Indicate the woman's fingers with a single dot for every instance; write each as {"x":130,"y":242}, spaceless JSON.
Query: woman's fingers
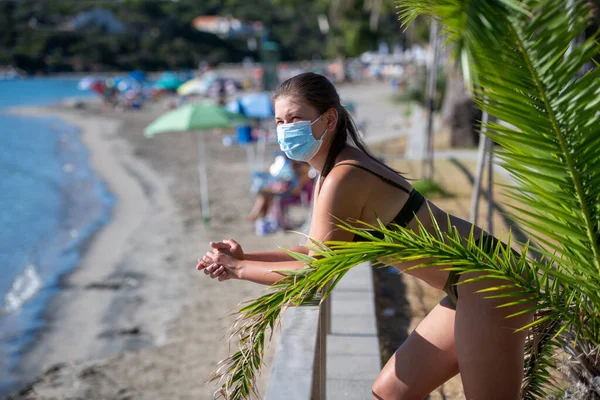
{"x":218,"y":271}
{"x":204,"y":262}
{"x":218,"y":257}
{"x":212,"y":257}
{"x":210,"y":269}
{"x":220,"y":245}
{"x":210,"y":262}
{"x":232,"y":244}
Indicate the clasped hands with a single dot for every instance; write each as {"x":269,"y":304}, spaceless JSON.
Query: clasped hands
{"x":224,"y":261}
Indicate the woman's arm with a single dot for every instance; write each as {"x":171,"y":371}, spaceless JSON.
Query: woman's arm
{"x":297,"y":189}
{"x":274,"y":255}
{"x":338,"y":197}
{"x":265,"y":272}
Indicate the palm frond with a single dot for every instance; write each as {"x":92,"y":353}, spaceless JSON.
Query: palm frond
{"x":237,"y":373}
{"x":551,"y":139}
{"x":539,"y":351}
{"x":550,"y":136}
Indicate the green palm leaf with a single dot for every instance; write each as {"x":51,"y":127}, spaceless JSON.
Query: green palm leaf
{"x":551,"y":137}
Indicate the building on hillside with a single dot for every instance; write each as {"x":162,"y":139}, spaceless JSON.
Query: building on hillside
{"x":97,"y":18}
{"x":229,"y":27}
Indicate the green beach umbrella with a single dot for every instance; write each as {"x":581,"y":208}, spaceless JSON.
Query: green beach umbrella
{"x":196,"y":117}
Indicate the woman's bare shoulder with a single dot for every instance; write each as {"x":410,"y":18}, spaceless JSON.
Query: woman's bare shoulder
{"x":342,"y":175}
{"x":372,"y":170}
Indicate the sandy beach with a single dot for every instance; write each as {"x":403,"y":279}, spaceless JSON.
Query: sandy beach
{"x":135,"y":318}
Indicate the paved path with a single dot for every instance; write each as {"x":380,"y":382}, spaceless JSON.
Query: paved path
{"x":383,"y":119}
{"x":353,"y":358}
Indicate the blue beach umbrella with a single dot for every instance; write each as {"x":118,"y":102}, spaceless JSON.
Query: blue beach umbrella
{"x":138,"y":75}
{"x":128,"y":84}
{"x":253,"y":105}
{"x":168,"y":81}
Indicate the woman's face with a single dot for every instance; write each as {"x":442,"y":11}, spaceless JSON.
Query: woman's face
{"x":289,"y":109}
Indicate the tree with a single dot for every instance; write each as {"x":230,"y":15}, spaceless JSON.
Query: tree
{"x":550,"y":145}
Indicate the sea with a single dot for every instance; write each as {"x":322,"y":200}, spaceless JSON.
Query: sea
{"x":51,"y":203}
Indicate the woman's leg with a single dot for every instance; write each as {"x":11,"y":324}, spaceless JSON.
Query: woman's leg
{"x":425,"y":360}
{"x":261,"y":206}
{"x":490,"y":353}
{"x":267,"y":205}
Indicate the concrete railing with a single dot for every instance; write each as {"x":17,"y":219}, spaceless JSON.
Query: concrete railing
{"x":340,"y":336}
{"x":299,"y":369}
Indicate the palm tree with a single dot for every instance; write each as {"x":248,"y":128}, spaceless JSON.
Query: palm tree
{"x":516,"y":54}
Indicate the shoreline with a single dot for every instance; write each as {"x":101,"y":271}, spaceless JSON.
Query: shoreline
{"x":92,"y":299}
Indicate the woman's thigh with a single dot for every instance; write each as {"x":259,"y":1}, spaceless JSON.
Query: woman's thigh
{"x":489,"y":351}
{"x":425,"y":360}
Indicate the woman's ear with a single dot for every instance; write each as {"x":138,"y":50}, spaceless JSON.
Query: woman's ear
{"x":332,"y":118}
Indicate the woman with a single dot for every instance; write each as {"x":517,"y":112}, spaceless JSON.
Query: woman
{"x":464,"y":333}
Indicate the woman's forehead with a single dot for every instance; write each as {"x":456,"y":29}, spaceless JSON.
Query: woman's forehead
{"x":287,"y":106}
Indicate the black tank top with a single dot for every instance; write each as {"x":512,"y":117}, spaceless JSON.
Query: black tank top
{"x":408,"y":211}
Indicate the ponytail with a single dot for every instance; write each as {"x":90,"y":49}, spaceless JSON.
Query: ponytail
{"x":340,"y":140}
{"x":347,"y":133}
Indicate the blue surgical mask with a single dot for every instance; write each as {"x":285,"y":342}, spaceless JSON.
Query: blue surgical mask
{"x":297,"y":141}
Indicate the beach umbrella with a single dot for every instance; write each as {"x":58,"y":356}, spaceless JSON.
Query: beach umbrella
{"x":259,"y":106}
{"x":127,"y":84}
{"x":253,"y":105}
{"x":167,"y":84}
{"x":87,"y":82}
{"x":137,"y":75}
{"x":198,"y":85}
{"x":193,"y":86}
{"x":167,"y":81}
{"x":98,"y":87}
{"x":224,"y":86}
{"x":196,"y":117}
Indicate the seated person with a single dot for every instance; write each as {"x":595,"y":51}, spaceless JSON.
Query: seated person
{"x":289,"y":191}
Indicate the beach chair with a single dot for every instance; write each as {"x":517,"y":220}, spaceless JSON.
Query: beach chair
{"x":282,"y":204}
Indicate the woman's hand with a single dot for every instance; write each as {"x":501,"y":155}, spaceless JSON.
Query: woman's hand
{"x":230,"y":253}
{"x":231,"y":245}
{"x":226,"y":262}
{"x":210,"y":268}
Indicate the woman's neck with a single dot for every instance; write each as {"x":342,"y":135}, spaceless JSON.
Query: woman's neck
{"x":347,"y":152}
{"x":317,"y":164}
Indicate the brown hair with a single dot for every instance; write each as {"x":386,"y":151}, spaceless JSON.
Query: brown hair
{"x":318,"y":92}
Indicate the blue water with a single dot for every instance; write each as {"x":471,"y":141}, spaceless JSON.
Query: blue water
{"x":51,"y":202}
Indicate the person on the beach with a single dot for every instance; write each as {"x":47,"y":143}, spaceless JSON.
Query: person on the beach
{"x":289,"y":192}
{"x":464,"y":333}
